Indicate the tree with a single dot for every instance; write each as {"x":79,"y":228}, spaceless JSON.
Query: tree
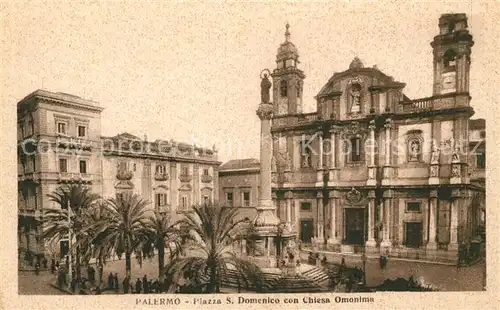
{"x":123,"y":229}
{"x":162,"y":234}
{"x":55,"y":221}
{"x":210,"y":231}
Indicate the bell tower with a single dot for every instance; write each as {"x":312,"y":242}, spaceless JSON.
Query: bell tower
{"x":288,"y":79}
{"x":452,"y":50}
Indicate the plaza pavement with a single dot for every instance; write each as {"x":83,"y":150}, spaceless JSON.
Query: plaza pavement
{"x":445,"y":278}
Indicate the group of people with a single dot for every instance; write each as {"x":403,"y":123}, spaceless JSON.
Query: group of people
{"x":144,"y":285}
{"x":314,"y":259}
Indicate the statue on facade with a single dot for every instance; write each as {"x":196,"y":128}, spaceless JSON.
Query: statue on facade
{"x":435,"y":154}
{"x":434,"y":171}
{"x":415,"y":150}
{"x":455,"y":171}
{"x":356,"y":98}
{"x":455,"y":157}
{"x":265,"y":87}
{"x":273,"y":164}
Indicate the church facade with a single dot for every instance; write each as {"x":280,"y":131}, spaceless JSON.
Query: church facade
{"x":372,"y":170}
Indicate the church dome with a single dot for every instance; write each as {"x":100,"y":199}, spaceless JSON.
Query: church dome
{"x":287,"y":49}
{"x":356,"y":63}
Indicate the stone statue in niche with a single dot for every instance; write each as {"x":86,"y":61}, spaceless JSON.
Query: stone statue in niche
{"x":265,"y":87}
{"x":435,"y":154}
{"x":355,"y":98}
{"x":455,"y":157}
{"x":414,"y":150}
{"x":455,"y":171}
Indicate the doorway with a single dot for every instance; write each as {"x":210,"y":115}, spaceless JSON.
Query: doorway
{"x":354,"y":226}
{"x":306,"y":230}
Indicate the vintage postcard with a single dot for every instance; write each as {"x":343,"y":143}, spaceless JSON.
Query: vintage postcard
{"x":249,"y":154}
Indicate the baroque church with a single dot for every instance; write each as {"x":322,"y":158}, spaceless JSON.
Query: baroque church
{"x":372,"y":170}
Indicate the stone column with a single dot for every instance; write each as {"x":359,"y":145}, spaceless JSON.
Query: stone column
{"x":333,"y":155}
{"x":371,"y":220}
{"x":453,"y":245}
{"x":321,"y":169}
{"x":321,"y":221}
{"x":431,"y":243}
{"x":386,"y":242}
{"x":371,"y":168}
{"x":333,"y":240}
{"x":275,"y":204}
{"x":289,"y":209}
{"x":387,"y":170}
{"x":265,"y":220}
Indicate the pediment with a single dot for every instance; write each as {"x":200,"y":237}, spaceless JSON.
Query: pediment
{"x":185,"y":187}
{"x":124,"y":184}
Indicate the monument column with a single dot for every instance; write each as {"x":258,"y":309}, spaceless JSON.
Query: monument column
{"x":265,"y":223}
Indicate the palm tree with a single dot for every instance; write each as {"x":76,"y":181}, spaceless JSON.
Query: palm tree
{"x":123,"y":229}
{"x":55,"y":221}
{"x":211,"y":230}
{"x":162,"y":233}
{"x":89,"y":241}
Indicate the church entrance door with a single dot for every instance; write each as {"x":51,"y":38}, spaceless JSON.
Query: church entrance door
{"x":354,"y":222}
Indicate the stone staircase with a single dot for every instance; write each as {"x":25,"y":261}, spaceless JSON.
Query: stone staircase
{"x":318,"y":275}
{"x":315,"y":280}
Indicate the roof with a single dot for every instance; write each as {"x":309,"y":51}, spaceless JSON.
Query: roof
{"x":476,"y":124}
{"x":247,"y":163}
{"x":62,"y":98}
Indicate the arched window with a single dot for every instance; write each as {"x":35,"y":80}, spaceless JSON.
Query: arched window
{"x":284,"y":88}
{"x":449,"y":58}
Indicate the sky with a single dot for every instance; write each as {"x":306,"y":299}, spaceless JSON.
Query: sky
{"x":190,"y":72}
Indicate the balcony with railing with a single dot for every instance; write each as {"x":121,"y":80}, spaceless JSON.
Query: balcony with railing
{"x":124,"y":175}
{"x":161,"y":176}
{"x":68,"y":177}
{"x":185,"y":177}
{"x":206,"y":178}
{"x":445,"y":101}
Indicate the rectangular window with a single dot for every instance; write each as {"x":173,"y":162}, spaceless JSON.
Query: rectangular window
{"x":161,"y":200}
{"x":122,"y":166}
{"x":61,"y":128}
{"x":83,"y":166}
{"x":33,"y":163}
{"x":160,"y":169}
{"x":184,"y":202}
{"x":413,"y":206}
{"x":82,"y":131}
{"x":206,"y":200}
{"x":205,"y":171}
{"x":480,"y":160}
{"x":185,"y":170}
{"x":355,"y":149}
{"x":305,"y":206}
{"x":413,"y":234}
{"x":63,"y":165}
{"x":229,"y":198}
{"x":246,"y":199}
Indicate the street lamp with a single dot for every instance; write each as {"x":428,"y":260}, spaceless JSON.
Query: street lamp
{"x":363,"y":258}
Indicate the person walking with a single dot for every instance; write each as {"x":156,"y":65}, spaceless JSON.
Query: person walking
{"x":138,"y":286}
{"x":126,"y":285}
{"x":111,"y":280}
{"x":116,"y":283}
{"x":145,"y":283}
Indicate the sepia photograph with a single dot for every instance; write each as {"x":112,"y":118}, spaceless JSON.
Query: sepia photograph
{"x":248,"y":154}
